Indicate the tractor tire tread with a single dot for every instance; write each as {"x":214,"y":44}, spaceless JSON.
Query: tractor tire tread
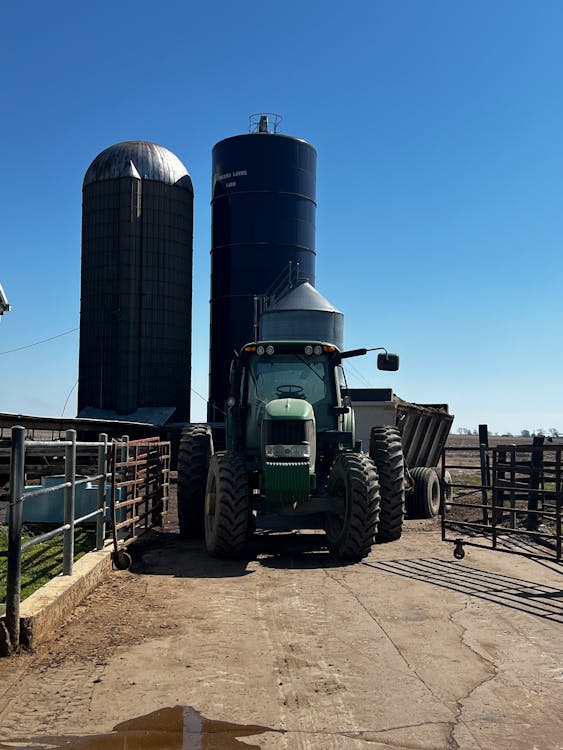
{"x":232,"y":505}
{"x":359,"y":476}
{"x":425,"y":481}
{"x":196,"y":447}
{"x":386,"y":451}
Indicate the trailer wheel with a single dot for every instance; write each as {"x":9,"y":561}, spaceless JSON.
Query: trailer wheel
{"x":425,"y":501}
{"x":351,"y":531}
{"x":386,"y":452}
{"x":227,"y":504}
{"x":196,"y":449}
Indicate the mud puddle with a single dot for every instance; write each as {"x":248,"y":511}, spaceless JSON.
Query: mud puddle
{"x":177,"y":728}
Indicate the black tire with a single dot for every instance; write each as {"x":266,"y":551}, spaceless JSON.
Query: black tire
{"x":386,"y":452}
{"x":425,"y":500}
{"x":121,"y":560}
{"x":353,"y":478}
{"x":227,"y":505}
{"x":196,"y":449}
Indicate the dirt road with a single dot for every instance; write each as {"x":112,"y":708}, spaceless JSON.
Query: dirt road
{"x":409,"y":649}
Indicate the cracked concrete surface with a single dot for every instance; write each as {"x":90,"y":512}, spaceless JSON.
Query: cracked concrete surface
{"x":410,"y":649}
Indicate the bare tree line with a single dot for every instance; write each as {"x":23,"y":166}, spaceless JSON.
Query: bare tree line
{"x":552,"y":432}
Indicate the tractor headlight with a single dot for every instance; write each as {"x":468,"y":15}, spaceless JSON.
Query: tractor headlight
{"x":308,"y":350}
{"x":288,"y":451}
{"x":269,"y":350}
{"x":260,"y":351}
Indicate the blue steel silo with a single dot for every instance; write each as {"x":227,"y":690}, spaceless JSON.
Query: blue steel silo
{"x":263,"y":218}
{"x":136,"y":285}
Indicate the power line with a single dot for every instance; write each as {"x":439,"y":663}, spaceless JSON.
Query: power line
{"x":42,"y":341}
{"x":68,"y":397}
{"x":358,"y":374}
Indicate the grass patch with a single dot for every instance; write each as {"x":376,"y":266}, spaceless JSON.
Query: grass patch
{"x":44,"y":561}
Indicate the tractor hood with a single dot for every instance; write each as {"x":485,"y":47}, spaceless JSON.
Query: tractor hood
{"x":289,"y":408}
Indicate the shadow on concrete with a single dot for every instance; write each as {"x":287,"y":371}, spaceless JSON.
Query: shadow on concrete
{"x":525,"y":596}
{"x":166,"y":553}
{"x":300,"y":550}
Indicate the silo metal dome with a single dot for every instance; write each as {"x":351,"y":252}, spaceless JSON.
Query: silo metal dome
{"x":141,"y":159}
{"x":136,"y":284}
{"x":303,"y":314}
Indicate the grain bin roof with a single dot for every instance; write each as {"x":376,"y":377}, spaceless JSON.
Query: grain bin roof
{"x":303,"y":297}
{"x":143,"y":159}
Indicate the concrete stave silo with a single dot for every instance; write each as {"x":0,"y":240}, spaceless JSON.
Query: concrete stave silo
{"x":136,"y":284}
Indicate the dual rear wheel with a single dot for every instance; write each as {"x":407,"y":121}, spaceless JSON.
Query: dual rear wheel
{"x":194,"y":456}
{"x":386,"y":452}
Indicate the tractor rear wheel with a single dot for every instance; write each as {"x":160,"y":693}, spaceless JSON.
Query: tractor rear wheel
{"x":196,"y":449}
{"x":351,"y":531}
{"x":227,"y":504}
{"x":386,"y":452}
{"x":425,"y":501}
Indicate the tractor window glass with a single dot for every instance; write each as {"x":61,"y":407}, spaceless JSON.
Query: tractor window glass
{"x":289,"y":376}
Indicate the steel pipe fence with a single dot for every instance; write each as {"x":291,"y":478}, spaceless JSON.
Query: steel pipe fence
{"x":20,"y":449}
{"x":137,"y":475}
{"x":508,"y":497}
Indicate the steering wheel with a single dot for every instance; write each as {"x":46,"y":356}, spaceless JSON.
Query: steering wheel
{"x":289,"y":391}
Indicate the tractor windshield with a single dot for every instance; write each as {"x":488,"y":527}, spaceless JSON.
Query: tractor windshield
{"x":285,"y":375}
{"x":289,"y":376}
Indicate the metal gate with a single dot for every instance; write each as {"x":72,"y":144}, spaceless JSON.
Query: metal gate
{"x":140,"y":483}
{"x":508,"y":497}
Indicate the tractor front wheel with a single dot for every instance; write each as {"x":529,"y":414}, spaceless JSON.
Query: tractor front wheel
{"x":227,"y":504}
{"x":351,"y":531}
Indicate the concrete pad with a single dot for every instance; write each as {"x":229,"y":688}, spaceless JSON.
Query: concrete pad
{"x":408,"y":649}
{"x":43,"y":613}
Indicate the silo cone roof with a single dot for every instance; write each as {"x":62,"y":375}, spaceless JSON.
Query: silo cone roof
{"x":303,"y":297}
{"x":143,"y":159}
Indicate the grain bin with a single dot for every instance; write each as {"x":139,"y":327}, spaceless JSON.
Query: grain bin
{"x":303,"y":314}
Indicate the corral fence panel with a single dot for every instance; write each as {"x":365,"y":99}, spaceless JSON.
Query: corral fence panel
{"x":140,"y":484}
{"x":506,"y":497}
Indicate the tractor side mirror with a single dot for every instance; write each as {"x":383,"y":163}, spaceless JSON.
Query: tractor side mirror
{"x":387,"y":361}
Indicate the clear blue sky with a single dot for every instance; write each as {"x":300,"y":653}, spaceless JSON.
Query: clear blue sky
{"x":438,"y":126}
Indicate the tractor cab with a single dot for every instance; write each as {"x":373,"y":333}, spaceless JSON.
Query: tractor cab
{"x":289,"y":383}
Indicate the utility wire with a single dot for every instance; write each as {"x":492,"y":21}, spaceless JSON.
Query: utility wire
{"x":68,"y":397}
{"x":359,"y":375}
{"x":206,"y":401}
{"x":42,"y":341}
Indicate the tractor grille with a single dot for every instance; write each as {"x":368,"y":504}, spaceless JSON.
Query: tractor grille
{"x":287,"y":431}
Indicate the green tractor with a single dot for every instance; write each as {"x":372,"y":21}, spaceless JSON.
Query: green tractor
{"x":291,"y":452}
